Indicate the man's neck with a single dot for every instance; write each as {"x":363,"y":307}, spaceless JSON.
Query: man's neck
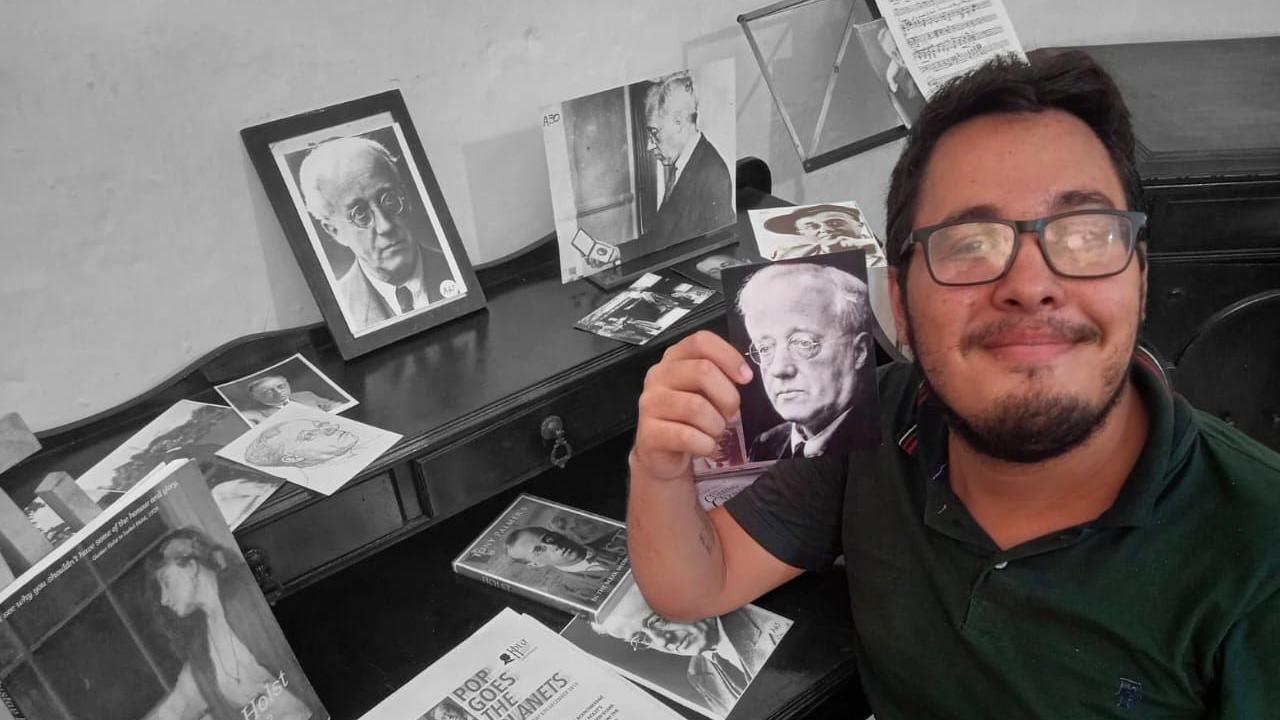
{"x":1017,"y":502}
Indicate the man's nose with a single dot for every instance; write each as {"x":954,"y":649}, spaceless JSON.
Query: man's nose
{"x":1030,"y":284}
{"x":381,"y":221}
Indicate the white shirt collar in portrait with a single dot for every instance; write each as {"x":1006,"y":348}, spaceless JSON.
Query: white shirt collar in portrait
{"x":388,"y":291}
{"x":587,"y":564}
{"x":683,"y":160}
{"x":815,"y":445}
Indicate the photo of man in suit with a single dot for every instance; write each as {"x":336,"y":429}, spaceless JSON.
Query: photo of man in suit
{"x":695,"y":187}
{"x":543,"y":547}
{"x":353,"y":189}
{"x":822,"y":229}
{"x":810,"y":339}
{"x":725,"y":653}
{"x":272,"y":393}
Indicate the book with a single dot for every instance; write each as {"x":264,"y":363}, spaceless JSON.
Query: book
{"x":149,"y":610}
{"x":704,"y":665}
{"x":514,"y":668}
{"x":567,"y":558}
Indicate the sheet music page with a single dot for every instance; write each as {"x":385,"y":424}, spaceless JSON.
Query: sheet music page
{"x":940,"y":39}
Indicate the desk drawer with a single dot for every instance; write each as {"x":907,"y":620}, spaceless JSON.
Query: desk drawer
{"x":322,"y":533}
{"x":1215,"y":217}
{"x":512,"y":449}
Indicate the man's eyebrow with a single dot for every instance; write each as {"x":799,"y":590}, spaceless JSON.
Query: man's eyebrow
{"x":973,"y":212}
{"x":1074,"y":199}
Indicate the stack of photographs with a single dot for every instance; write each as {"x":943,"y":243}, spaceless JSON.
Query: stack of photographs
{"x":645,"y":309}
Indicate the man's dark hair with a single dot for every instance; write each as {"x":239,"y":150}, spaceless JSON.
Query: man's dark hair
{"x":1068,"y":81}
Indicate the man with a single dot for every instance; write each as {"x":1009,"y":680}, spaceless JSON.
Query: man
{"x":696,"y":191}
{"x":353,"y":189}
{"x":541,"y":547}
{"x":1052,"y":533}
{"x":725,"y":653}
{"x":713,"y":265}
{"x":272,"y":393}
{"x":823,"y":229}
{"x":300,"y":444}
{"x":805,"y":323}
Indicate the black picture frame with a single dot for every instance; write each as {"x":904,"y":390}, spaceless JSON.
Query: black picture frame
{"x":358,"y":311}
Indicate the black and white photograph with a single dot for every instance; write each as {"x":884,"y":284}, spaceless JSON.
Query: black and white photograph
{"x":705,"y":665}
{"x":641,"y":167}
{"x":310,"y":447}
{"x":366,"y":220}
{"x":187,"y":429}
{"x":806,"y":327}
{"x":566,"y":557}
{"x":645,"y":309}
{"x":818,"y":229}
{"x":882,"y":51}
{"x":260,"y":395}
{"x":708,"y":268}
{"x":447,"y":709}
{"x":149,"y":611}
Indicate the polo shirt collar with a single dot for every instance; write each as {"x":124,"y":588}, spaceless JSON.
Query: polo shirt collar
{"x":1169,"y":439}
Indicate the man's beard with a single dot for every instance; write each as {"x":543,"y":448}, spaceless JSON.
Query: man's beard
{"x":1028,"y":428}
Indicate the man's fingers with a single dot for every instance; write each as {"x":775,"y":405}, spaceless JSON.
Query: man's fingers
{"x":662,"y":435}
{"x":707,"y":345}
{"x":696,"y":375}
{"x":687,"y":408}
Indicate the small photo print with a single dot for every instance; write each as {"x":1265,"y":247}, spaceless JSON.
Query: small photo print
{"x":645,"y":309}
{"x":310,"y":447}
{"x":806,"y":326}
{"x":707,"y":269}
{"x":730,"y":454}
{"x":447,"y":709}
{"x":260,"y":395}
{"x":808,"y":230}
{"x":705,"y":665}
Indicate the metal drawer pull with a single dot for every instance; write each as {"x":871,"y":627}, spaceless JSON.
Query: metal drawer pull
{"x":561,"y":451}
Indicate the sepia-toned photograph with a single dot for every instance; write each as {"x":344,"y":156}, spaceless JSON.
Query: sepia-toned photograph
{"x":705,"y":665}
{"x":187,"y":430}
{"x":642,"y":167}
{"x":730,"y":453}
{"x":260,"y":395}
{"x":806,"y":326}
{"x":819,"y":229}
{"x":310,"y":447}
{"x":644,"y":310}
{"x":567,"y":557}
{"x":366,"y":220}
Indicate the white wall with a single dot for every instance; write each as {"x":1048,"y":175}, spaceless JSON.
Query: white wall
{"x":136,"y":236}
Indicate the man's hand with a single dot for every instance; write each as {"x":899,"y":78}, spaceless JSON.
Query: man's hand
{"x":688,"y":398}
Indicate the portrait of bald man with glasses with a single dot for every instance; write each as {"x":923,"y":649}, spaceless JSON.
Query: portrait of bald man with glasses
{"x":352,"y":187}
{"x":808,"y":325}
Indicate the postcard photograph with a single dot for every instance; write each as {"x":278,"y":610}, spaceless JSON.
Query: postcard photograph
{"x":705,"y":665}
{"x":260,"y":395}
{"x":310,"y":447}
{"x":818,"y":229}
{"x":633,"y":316}
{"x":806,"y":325}
{"x":641,"y":167}
{"x":707,"y":269}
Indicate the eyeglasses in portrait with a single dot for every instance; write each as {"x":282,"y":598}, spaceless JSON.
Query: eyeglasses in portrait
{"x":366,"y":220}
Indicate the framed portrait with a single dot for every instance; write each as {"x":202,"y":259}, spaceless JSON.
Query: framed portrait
{"x":365,"y":218}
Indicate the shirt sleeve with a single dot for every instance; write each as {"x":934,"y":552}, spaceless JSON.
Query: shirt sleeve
{"x":794,"y":510}
{"x":1249,"y":664}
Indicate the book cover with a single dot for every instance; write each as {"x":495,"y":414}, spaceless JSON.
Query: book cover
{"x":704,"y":665}
{"x":514,"y":668}
{"x":149,"y":611}
{"x":568,"y":558}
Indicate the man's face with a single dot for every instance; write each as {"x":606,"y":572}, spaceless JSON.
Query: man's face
{"x":312,"y":441}
{"x":1027,"y":356}
{"x":177,"y":582}
{"x":715,"y":264}
{"x":539,"y":547}
{"x":271,"y":391}
{"x":447,"y":712}
{"x":636,"y":624}
{"x":364,"y":190}
{"x":666,"y":136}
{"x":827,"y":226}
{"x":810,"y":392}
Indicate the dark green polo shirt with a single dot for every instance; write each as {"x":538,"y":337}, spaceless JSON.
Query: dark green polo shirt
{"x":1165,"y":606}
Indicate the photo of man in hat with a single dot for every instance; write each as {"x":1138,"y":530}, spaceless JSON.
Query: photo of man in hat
{"x":815,"y":230}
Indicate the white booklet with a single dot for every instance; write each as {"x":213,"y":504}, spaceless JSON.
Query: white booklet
{"x":514,"y":668}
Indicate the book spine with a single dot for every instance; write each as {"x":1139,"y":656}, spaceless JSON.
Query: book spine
{"x":501,"y":584}
{"x":8,"y":707}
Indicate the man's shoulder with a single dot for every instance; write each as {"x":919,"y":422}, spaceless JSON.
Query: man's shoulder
{"x":769,"y":444}
{"x":1243,"y":470}
{"x":708,"y":160}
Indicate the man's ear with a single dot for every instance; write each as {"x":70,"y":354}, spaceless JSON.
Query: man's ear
{"x":332,"y":230}
{"x":895,"y":300}
{"x":861,"y":342}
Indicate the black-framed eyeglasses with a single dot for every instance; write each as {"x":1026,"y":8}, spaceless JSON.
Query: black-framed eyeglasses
{"x":803,"y":347}
{"x":390,"y":202}
{"x":1076,"y":244}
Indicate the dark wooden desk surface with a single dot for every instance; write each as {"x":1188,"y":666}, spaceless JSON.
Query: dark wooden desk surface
{"x":365,"y":631}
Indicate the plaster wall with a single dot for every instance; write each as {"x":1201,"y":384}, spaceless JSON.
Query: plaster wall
{"x":137,"y":236}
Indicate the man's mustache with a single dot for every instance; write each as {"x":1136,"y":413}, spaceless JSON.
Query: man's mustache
{"x":1053,"y":329}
